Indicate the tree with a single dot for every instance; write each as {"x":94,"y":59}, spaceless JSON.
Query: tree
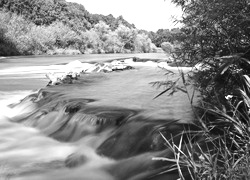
{"x":112,"y":43}
{"x":167,"y":47}
{"x":142,"y":43}
{"x":126,"y":36}
{"x":216,"y":27}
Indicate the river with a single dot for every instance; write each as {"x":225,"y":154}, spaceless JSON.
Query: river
{"x":103,"y":126}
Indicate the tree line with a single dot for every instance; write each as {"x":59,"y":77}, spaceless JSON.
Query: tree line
{"x":59,"y":27}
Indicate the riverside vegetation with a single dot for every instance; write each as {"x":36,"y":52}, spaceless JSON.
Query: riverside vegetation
{"x":60,"y":27}
{"x":217,"y":38}
{"x":32,"y":27}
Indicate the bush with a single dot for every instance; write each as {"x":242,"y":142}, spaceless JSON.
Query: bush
{"x":112,"y":44}
{"x":63,"y":52}
{"x":167,"y":47}
{"x":64,"y":36}
{"x":216,"y":36}
{"x":142,"y":43}
{"x":14,"y":33}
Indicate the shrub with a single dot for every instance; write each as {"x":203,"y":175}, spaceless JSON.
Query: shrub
{"x":61,"y":51}
{"x":112,"y":44}
{"x":142,"y":43}
{"x":65,"y":37}
{"x":167,"y":47}
{"x":14,"y":33}
{"x":126,"y":36}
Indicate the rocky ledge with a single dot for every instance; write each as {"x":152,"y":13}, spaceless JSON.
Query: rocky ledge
{"x":73,"y":70}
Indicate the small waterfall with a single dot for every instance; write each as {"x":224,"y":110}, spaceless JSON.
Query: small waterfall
{"x":104,"y":127}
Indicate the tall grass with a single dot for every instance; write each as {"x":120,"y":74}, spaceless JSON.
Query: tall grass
{"x":221,"y":149}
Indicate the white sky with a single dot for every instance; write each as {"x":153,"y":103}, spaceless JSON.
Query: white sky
{"x":150,"y":15}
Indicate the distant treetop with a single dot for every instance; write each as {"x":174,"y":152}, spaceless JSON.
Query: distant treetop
{"x":45,"y":12}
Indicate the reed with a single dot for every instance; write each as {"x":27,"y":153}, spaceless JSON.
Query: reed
{"x":221,"y":149}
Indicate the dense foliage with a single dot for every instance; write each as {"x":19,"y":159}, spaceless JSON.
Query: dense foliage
{"x":60,"y":27}
{"x":173,"y":36}
{"x":217,"y":36}
{"x":45,"y":12}
{"x":216,"y":42}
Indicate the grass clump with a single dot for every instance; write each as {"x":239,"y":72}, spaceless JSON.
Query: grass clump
{"x":220,"y":150}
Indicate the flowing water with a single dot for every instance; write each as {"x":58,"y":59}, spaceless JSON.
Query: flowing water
{"x":104,"y":126}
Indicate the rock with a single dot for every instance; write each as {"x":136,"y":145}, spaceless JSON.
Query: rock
{"x":93,"y":68}
{"x":121,"y":67}
{"x":73,"y":75}
{"x":115,"y":63}
{"x":54,"y":79}
{"x":74,"y":69}
{"x":67,"y":79}
{"x":58,"y":78}
{"x":163,"y":65}
{"x":75,"y":160}
{"x":87,"y":66}
{"x":128,"y":61}
{"x":136,"y":59}
{"x":105,"y":68}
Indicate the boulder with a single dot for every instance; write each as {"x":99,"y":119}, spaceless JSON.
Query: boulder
{"x":75,"y":160}
{"x":163,"y":65}
{"x":119,"y":65}
{"x":54,"y":78}
{"x":58,"y":78}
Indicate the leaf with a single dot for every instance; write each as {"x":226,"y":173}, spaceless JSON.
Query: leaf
{"x":192,"y":97}
{"x":225,"y":67}
{"x":166,"y":90}
{"x":169,"y":72}
{"x":245,"y":60}
{"x":247,"y":80}
{"x":183,"y":77}
{"x":181,"y":89}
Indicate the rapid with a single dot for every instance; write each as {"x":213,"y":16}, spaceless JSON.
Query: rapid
{"x":104,"y":126}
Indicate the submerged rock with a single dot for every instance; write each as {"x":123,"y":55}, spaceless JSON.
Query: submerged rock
{"x":75,"y":160}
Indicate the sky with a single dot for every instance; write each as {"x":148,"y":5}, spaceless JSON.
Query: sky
{"x":149,"y":15}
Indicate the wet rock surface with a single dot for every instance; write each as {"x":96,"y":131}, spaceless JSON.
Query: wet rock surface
{"x":73,"y":70}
